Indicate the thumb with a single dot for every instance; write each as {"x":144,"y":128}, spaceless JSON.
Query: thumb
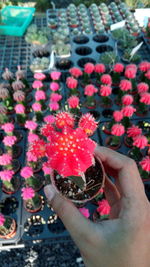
{"x":79,"y":227}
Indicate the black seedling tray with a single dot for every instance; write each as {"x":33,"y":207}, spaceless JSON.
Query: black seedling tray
{"x":84,"y":49}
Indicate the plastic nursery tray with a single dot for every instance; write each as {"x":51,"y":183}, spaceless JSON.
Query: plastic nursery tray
{"x":55,"y":14}
{"x":16,"y":51}
{"x":15,"y":20}
{"x":86,"y":48}
{"x":11,"y":205}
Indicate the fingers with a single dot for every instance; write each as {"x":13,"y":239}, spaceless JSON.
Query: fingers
{"x":78,"y":226}
{"x":124,"y":170}
{"x":111,"y":192}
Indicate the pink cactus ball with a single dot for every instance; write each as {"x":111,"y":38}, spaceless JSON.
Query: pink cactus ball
{"x":73,"y":102}
{"x":49,"y":119}
{"x":117,"y":115}
{"x":9,"y":140}
{"x":144,"y":66}
{"x":103,"y":207}
{"x":105,"y":90}
{"x":31,"y":157}
{"x":71,"y":83}
{"x":31,"y":125}
{"x":39,"y":76}
{"x":20,"y":109}
{"x":88,"y":124}
{"x":125,"y":85}
{"x":133,"y":131}
{"x":128,"y":111}
{"x":54,"y":86}
{"x":117,"y":129}
{"x":142,"y":87}
{"x":26,"y":172}
{"x":40,"y":95}
{"x":140,"y":141}
{"x":8,"y":127}
{"x":145,"y":98}
{"x":55,"y":75}
{"x":5,"y":159}
{"x":46,"y":169}
{"x":54,"y":97}
{"x":37,"y":107}
{"x":6,"y":175}
{"x":32,"y":137}
{"x":75,"y":72}
{"x":53,"y":106}
{"x":100,"y":68}
{"x":106,"y":79}
{"x":27,"y":193}
{"x":145,"y":163}
{"x":2,"y":219}
{"x":37,"y":84}
{"x":90,"y":89}
{"x":118,"y":67}
{"x":127,"y":100}
{"x":89,"y":68}
{"x":85,"y":212}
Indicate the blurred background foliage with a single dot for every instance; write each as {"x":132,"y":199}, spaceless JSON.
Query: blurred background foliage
{"x":42,"y":5}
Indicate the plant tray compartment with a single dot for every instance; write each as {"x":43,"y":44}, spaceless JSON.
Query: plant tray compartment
{"x":15,"y":20}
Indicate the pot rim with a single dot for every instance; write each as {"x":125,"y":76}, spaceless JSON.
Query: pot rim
{"x":85,"y":200}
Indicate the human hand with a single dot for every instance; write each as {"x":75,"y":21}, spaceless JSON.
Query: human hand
{"x":124,"y":239}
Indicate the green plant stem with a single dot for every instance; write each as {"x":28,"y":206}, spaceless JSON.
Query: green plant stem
{"x":39,"y":116}
{"x":86,"y":78}
{"x":90,"y":100}
{"x":33,"y":182}
{"x":126,"y":122}
{"x":115,"y":140}
{"x":106,"y":100}
{"x":116,"y":77}
{"x":8,"y":185}
{"x":74,"y":91}
{"x":142,"y":108}
{"x":21,"y":118}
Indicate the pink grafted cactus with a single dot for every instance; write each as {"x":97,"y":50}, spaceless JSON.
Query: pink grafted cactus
{"x":69,"y":151}
{"x":26,"y":172}
{"x":88,"y":124}
{"x":133,"y":131}
{"x":28,"y":193}
{"x":117,"y":129}
{"x":103,"y":207}
{"x":140,"y":141}
{"x":76,"y":72}
{"x":8,"y":127}
{"x":6,"y":175}
{"x":5,"y":159}
{"x":145,"y":163}
{"x":2,"y":219}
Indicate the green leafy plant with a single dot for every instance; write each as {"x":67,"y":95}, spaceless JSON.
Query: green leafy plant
{"x":36,"y":36}
{"x":42,"y":5}
{"x":109,"y":58}
{"x":137,"y":3}
{"x":124,"y":38}
{"x":127,"y":56}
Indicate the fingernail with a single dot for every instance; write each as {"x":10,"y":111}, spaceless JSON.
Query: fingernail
{"x":49,"y":191}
